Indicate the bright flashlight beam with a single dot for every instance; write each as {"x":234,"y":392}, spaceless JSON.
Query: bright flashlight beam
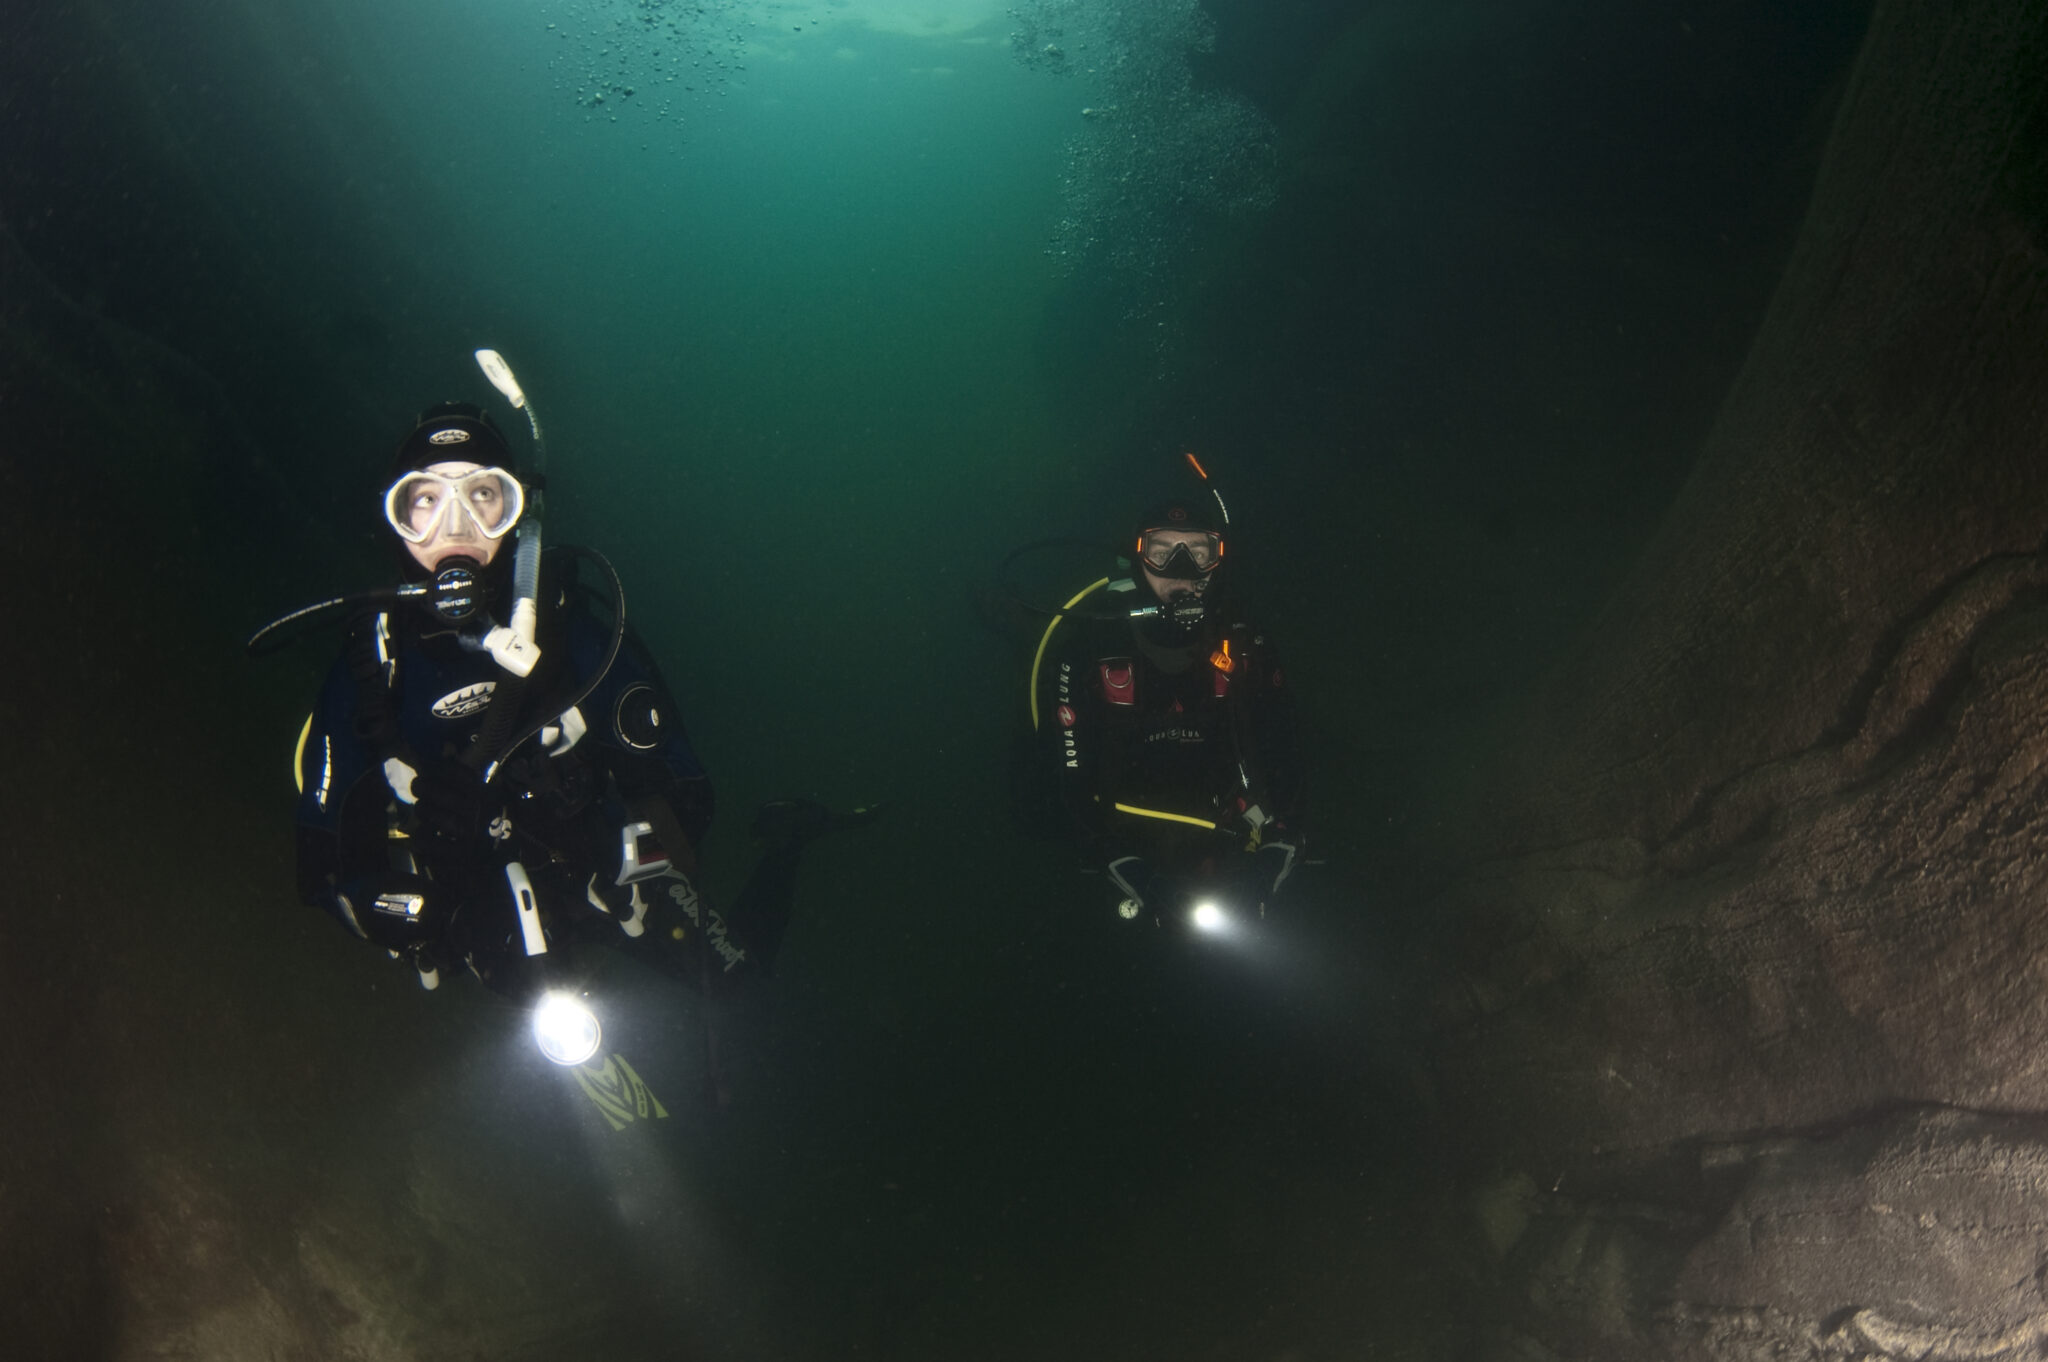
{"x":566,"y":1031}
{"x":1208,"y":918}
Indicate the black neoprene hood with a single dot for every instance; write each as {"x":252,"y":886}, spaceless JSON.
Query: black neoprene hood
{"x":1183,"y":514}
{"x":454,"y":432}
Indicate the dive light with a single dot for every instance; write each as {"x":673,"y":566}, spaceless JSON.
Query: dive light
{"x":565,"y":1029}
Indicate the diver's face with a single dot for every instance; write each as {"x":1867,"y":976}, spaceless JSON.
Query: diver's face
{"x":456,"y":532}
{"x":1158,"y":547}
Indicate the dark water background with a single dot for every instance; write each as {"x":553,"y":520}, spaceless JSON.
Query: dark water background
{"x":1445,"y":294}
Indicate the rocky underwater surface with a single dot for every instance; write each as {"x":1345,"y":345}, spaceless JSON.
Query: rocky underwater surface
{"x":1750,"y":1009}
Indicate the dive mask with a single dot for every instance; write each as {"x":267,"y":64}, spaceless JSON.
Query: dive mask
{"x":1184,"y":555}
{"x":486,"y":502}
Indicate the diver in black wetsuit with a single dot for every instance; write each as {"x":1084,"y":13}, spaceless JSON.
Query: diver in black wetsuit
{"x":1169,"y":729}
{"x":464,"y":815}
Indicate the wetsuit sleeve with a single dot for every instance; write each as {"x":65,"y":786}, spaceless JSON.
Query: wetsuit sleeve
{"x":1273,"y":728}
{"x":342,"y":797}
{"x":647,"y":750}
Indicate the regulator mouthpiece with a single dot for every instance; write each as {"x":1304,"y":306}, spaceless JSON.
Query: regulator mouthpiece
{"x":1182,"y":610}
{"x":457,"y":592}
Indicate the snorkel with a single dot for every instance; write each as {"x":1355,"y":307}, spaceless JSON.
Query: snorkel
{"x":511,"y":645}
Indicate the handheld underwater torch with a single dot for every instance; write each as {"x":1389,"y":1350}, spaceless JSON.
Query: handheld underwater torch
{"x":564,"y":1028}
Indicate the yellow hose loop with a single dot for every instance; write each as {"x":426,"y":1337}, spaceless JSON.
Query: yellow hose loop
{"x":1040,"y":656}
{"x":299,"y":756}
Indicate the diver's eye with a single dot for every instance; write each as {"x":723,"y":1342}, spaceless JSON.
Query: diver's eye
{"x":487,"y":506}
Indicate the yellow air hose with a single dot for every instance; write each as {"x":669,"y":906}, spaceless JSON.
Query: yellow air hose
{"x":299,"y":756}
{"x":1169,"y":817}
{"x":1040,"y":656}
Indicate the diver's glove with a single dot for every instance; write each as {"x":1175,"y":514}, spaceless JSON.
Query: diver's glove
{"x":449,"y":797}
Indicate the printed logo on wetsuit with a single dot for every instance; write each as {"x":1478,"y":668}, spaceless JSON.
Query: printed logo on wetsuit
{"x":685,"y":898}
{"x":468,"y":700}
{"x":1066,"y":717}
{"x":448,"y":437}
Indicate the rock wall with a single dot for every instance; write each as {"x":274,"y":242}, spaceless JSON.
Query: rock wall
{"x":1882,"y":441}
{"x":1748,"y":1027}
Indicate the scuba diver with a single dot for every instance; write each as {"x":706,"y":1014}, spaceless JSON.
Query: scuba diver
{"x":496,"y":772}
{"x":1160,"y":710}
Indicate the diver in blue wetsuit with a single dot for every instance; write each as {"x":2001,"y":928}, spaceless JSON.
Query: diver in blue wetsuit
{"x":467,"y":816}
